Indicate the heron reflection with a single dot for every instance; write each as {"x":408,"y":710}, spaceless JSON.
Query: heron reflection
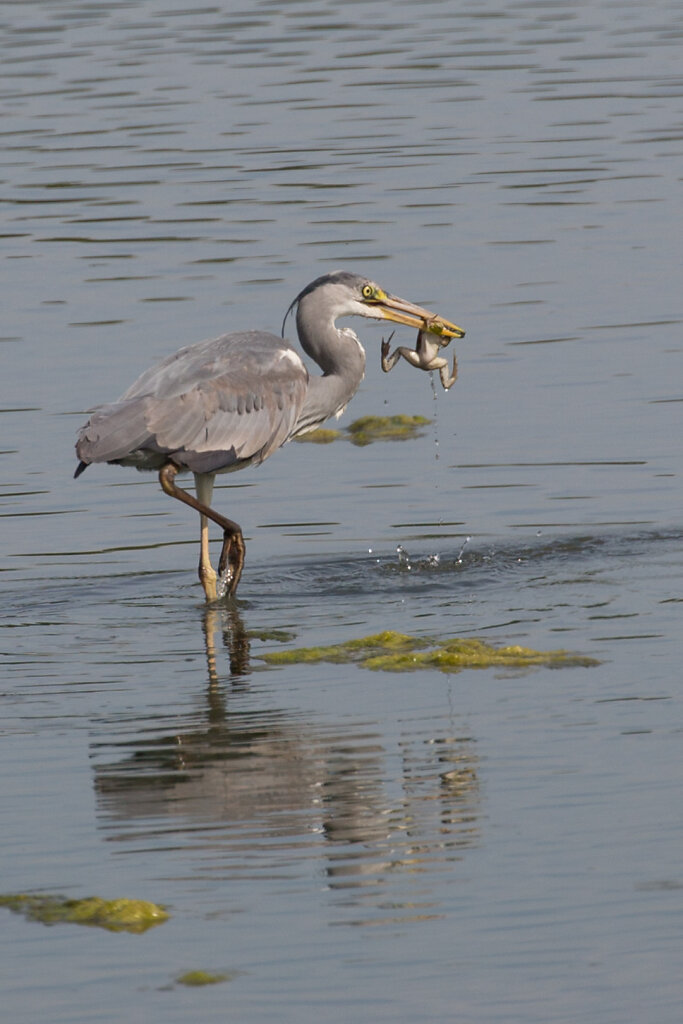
{"x":254,"y":775}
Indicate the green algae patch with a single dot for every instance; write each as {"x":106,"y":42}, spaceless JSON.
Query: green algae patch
{"x":122,"y":915}
{"x":370,"y":428}
{"x":386,"y":428}
{"x":359,"y":650}
{"x":455,"y":655}
{"x":323,"y":435}
{"x":278,"y":636}
{"x":196,"y":979}
{"x":398,"y":652}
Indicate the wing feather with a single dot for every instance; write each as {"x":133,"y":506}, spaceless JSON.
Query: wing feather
{"x":217,"y":405}
{"x":113,"y":431}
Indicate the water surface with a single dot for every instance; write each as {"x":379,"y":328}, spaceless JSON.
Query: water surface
{"x":418,"y":847}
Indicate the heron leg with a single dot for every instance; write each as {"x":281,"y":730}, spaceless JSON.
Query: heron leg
{"x":233,"y":550}
{"x":207,"y":574}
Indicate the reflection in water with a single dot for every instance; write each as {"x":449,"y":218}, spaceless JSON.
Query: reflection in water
{"x":235,"y":641}
{"x":163,"y":166}
{"x":247,"y":781}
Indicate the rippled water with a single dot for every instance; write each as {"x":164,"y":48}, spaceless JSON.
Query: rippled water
{"x":483,"y":846}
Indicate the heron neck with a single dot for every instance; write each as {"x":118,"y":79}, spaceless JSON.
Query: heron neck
{"x":341,"y":357}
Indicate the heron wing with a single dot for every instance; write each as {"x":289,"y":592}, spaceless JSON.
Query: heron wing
{"x":113,"y":432}
{"x":220,"y":404}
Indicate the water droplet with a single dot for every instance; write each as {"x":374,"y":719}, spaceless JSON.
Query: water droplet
{"x":223,"y":581}
{"x":465,"y":543}
{"x":403,"y":557}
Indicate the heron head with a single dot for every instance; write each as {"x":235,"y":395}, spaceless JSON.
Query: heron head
{"x":383,"y":306}
{"x":345,"y":294}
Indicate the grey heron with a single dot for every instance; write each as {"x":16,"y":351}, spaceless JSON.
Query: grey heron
{"x":230,"y":402}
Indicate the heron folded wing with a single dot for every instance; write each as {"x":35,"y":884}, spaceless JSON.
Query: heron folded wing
{"x":175,"y":422}
{"x":221,"y":424}
{"x":223,"y":403}
{"x":248,"y":358}
{"x":113,"y":432}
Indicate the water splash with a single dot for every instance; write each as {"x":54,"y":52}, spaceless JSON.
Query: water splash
{"x":458,"y":560}
{"x":403,"y":557}
{"x":223,"y":582}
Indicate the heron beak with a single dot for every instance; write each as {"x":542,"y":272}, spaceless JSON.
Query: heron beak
{"x":390,"y":307}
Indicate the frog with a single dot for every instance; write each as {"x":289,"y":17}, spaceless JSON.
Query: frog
{"x":425,"y":356}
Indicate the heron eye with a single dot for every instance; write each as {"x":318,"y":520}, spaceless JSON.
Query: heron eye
{"x":368,"y":291}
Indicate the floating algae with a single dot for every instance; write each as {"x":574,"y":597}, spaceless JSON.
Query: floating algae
{"x":397,"y":652}
{"x":122,"y":915}
{"x":279,"y":636}
{"x":349,"y":651}
{"x":386,"y":428}
{"x":195,"y":979}
{"x":323,"y":435}
{"x":371,"y":428}
{"x":455,"y":655}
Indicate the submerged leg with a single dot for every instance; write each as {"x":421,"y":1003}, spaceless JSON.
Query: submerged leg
{"x":232,"y":552}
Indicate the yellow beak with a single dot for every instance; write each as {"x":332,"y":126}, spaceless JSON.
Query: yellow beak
{"x":390,"y":307}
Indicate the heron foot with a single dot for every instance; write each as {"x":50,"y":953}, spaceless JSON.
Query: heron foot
{"x":231,"y":562}
{"x":208,"y":578}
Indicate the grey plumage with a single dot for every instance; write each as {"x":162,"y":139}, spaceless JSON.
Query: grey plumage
{"x":212,"y":407}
